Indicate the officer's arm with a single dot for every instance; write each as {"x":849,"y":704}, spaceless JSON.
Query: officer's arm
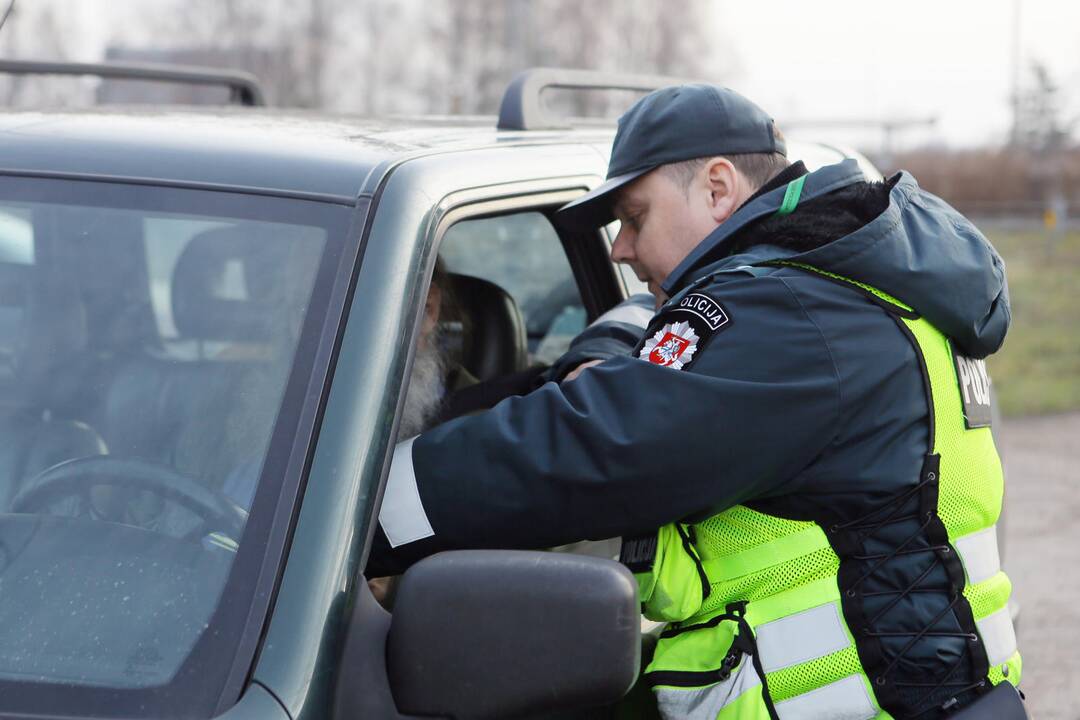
{"x":614,"y":333}
{"x":627,"y":446}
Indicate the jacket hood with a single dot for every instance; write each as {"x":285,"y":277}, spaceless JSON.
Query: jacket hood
{"x":923,"y":252}
{"x":918,"y":249}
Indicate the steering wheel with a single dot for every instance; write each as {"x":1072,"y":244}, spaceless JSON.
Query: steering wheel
{"x":77,"y":477}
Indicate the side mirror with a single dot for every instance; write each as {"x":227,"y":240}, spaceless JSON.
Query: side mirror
{"x":501,"y":634}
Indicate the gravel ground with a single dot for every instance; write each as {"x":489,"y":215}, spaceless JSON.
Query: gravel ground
{"x":1042,"y":531}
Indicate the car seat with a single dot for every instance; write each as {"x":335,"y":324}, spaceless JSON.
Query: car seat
{"x":42,"y":339}
{"x":207,"y":415}
{"x":485,"y":332}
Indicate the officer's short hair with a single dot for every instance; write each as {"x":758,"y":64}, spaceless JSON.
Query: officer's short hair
{"x":758,"y":168}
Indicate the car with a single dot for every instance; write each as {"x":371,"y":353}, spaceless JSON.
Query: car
{"x":206,"y":321}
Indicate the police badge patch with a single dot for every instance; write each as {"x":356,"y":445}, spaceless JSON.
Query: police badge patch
{"x":683,"y":330}
{"x":673,"y":346}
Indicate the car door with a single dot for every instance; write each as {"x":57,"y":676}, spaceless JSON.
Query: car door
{"x":413,"y":206}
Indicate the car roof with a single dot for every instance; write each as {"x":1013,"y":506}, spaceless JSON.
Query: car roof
{"x":288,"y":152}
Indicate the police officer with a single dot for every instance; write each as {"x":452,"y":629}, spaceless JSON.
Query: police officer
{"x":797,"y":452}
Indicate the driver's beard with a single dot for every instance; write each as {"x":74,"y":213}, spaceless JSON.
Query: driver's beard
{"x":426,"y":390}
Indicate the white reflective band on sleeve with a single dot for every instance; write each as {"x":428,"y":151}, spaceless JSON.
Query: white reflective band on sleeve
{"x":707,"y":702}
{"x":806,"y":635}
{"x":845,"y":699}
{"x":979,"y":551}
{"x":629,"y":314}
{"x":998,"y":636}
{"x":402,"y":514}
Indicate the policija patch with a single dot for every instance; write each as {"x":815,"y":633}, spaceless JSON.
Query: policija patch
{"x":683,"y":330}
{"x":638,"y":553}
{"x":974,"y":390}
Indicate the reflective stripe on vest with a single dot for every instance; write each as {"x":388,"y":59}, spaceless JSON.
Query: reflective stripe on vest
{"x":979,"y":553}
{"x":998,"y":636}
{"x":801,"y":637}
{"x":709,"y":702}
{"x":845,"y":699}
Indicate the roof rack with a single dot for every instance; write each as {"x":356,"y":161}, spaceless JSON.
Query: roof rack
{"x":522,"y":108}
{"x":243,"y":87}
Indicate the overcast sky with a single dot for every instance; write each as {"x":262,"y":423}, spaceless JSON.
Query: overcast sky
{"x":918,"y":58}
{"x":838,"y":59}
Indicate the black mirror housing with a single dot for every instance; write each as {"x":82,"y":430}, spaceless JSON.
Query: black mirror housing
{"x":500,"y":634}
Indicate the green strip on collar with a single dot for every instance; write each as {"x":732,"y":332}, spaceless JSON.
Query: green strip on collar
{"x":791,"y":197}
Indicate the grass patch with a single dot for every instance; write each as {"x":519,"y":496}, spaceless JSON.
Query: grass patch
{"x":1038,"y":369}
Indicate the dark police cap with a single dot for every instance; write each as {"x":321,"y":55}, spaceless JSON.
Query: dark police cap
{"x":670,"y":125}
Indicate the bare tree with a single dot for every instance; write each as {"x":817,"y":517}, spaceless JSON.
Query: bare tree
{"x":283,"y":43}
{"x":1044,"y":134}
{"x":457,"y":56}
{"x":1040,"y":125}
{"x":36,"y":31}
{"x":489,"y":42}
{"x":442,"y":56}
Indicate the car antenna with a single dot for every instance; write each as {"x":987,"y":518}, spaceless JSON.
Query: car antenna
{"x":10,"y":7}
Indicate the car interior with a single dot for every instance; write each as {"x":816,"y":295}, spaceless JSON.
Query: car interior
{"x":89,"y":368}
{"x":511,"y":305}
{"x":142,"y":361}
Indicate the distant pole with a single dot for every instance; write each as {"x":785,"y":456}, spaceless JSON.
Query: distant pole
{"x":887,"y":144}
{"x":318,"y":32}
{"x":1016,"y":40}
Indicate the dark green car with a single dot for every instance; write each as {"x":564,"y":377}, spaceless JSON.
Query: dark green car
{"x":205,"y":323}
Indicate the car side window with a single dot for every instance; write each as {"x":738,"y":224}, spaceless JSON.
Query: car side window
{"x":522,"y":254}
{"x":16,"y":259}
{"x":16,"y":236}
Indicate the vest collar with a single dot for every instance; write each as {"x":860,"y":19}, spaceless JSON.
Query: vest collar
{"x":703,"y":258}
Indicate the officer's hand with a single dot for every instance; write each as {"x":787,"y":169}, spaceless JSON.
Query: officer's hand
{"x":577,"y":371}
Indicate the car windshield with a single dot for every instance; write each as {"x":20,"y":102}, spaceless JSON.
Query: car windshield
{"x":150,"y":341}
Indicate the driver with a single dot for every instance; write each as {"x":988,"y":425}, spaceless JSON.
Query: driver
{"x":440,"y":389}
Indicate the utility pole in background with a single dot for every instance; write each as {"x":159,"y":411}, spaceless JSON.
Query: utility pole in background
{"x":318,"y":39}
{"x":1014,"y":135}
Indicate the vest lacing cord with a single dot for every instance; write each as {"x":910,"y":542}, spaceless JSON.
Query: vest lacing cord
{"x":865,"y":530}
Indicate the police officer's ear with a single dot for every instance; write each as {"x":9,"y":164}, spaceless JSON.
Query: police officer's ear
{"x":723,"y":188}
